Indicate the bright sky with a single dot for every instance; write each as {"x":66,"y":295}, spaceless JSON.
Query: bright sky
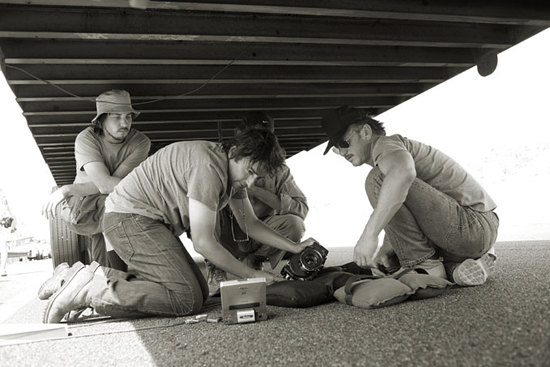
{"x":482,"y":122}
{"x":488,"y":124}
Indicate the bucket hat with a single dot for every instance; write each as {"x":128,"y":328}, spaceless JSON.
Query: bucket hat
{"x":114,"y":101}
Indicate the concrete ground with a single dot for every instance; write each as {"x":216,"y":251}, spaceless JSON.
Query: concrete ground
{"x":505,"y":322}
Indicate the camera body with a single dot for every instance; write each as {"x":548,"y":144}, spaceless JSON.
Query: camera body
{"x":306,"y":264}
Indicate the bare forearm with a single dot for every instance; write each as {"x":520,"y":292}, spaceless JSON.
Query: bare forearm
{"x":220,"y":257}
{"x":107,"y":185}
{"x":393,"y":193}
{"x":101,"y":177}
{"x":282,"y":203}
{"x":262,"y":233}
{"x":82,"y":189}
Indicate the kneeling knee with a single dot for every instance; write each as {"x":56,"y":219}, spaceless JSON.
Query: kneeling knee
{"x":296,"y":227}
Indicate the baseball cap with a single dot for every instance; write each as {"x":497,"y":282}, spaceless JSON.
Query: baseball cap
{"x":114,"y":101}
{"x":336,"y":122}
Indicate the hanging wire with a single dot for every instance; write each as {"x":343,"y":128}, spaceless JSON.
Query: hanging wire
{"x":139,"y":103}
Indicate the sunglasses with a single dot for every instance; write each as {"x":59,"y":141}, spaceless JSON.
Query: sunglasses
{"x":344,"y":143}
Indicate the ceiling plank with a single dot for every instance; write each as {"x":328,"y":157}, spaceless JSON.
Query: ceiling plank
{"x":49,"y":51}
{"x":169,"y":27}
{"x":526,"y":12}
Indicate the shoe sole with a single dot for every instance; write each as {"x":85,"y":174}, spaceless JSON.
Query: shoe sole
{"x":79,"y":267}
{"x":43,"y":292}
{"x":473,"y":272}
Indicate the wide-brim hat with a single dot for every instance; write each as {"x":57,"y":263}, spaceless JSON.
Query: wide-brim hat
{"x":114,"y":101}
{"x":336,"y":122}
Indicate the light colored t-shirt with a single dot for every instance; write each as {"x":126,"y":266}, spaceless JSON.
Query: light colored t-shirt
{"x":161,"y":186}
{"x":89,"y":147}
{"x":437,"y":170}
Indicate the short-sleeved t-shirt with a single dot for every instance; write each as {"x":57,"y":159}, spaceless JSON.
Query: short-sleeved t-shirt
{"x":437,"y":170}
{"x":161,"y":186}
{"x":89,"y":147}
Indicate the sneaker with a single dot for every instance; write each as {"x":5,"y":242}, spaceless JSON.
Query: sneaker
{"x":474,"y":272}
{"x":73,"y":295}
{"x":53,"y":284}
{"x":4,"y":274}
{"x":214,"y":277}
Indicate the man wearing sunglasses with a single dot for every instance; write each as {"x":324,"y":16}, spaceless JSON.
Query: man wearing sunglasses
{"x":178,"y":189}
{"x":433,"y":212}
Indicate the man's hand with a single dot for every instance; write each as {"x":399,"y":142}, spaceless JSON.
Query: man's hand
{"x":364,"y":251}
{"x":302,"y":245}
{"x":381,"y":259}
{"x":55,"y":198}
{"x":269,"y":277}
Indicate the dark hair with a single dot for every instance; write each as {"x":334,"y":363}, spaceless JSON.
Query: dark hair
{"x":376,"y":126}
{"x":260,"y":146}
{"x":97,"y":124}
{"x":256,"y":119}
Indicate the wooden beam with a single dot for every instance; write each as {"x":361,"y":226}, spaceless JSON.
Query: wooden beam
{"x":198,"y":74}
{"x":504,"y":12}
{"x":48,"y":51}
{"x":113,"y":25}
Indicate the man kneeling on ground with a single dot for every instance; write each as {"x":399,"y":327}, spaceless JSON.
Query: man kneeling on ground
{"x":180,"y":188}
{"x":430,"y":208}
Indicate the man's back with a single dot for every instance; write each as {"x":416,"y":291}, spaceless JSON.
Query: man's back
{"x":438,"y":170}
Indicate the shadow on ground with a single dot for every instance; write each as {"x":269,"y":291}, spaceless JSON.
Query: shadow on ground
{"x":505,"y":322}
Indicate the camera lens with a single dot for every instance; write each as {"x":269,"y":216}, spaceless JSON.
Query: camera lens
{"x":311,"y":260}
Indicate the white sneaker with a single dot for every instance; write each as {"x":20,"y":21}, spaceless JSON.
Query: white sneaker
{"x":474,"y":272}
